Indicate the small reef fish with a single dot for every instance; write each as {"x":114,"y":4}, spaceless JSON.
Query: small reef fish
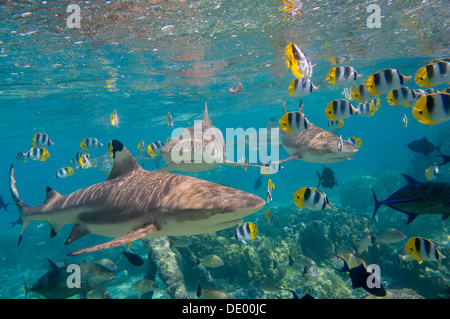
{"x":144,"y":285}
{"x":423,"y":249}
{"x":181,"y":241}
{"x":405,"y":121}
{"x":401,"y":96}
{"x":361,"y":94}
{"x":97,"y":293}
{"x":424,"y":146}
{"x":389,"y":236}
{"x":355,"y":140}
{"x":105,"y":262}
{"x":21,"y":156}
{"x":64,"y":172}
{"x":432,"y":172}
{"x":311,"y":198}
{"x":258,"y":183}
{"x":366,"y":109}
{"x":301,"y":87}
{"x":89,"y":144}
{"x":346,"y":93}
{"x":270,"y":187}
{"x":169,"y":119}
{"x":432,"y":109}
{"x":294,"y":122}
{"x":208,"y":293}
{"x":385,"y":80}
{"x":361,"y":278}
{"x":364,"y":244}
{"x":418,"y":198}
{"x":154,"y":149}
{"x":81,"y":160}
{"x":141,"y":146}
{"x":335,"y":126}
{"x":41,"y":140}
{"x":342,"y":75}
{"x":247,"y":231}
{"x":4,"y":205}
{"x":327,"y":178}
{"x":298,"y":61}
{"x":305,"y":264}
{"x":133,"y":258}
{"x":236,"y":90}
{"x":433,"y":74}
{"x":38,"y":154}
{"x":114,"y":118}
{"x":211,"y":261}
{"x":350,"y":258}
{"x":339,"y":110}
{"x":269,"y":216}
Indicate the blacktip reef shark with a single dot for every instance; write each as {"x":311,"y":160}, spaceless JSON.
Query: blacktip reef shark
{"x":199,"y":148}
{"x":134,"y":203}
{"x":315,"y":145}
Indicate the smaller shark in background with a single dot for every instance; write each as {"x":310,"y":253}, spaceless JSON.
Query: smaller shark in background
{"x":134,"y":203}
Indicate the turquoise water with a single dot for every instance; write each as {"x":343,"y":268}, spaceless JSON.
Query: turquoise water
{"x":145,"y":59}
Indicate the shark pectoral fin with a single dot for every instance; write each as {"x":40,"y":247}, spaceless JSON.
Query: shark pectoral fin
{"x":165,"y":169}
{"x":77,"y":232}
{"x":122,"y":240}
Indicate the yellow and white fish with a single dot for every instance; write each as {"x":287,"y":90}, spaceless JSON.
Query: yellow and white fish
{"x":64,"y":172}
{"x":21,"y":156}
{"x":81,"y":160}
{"x":423,"y":249}
{"x":366,"y":109}
{"x":432,"y":172}
{"x":311,"y":198}
{"x":385,"y":80}
{"x":169,"y":119}
{"x":270,"y":187}
{"x":360,"y":94}
{"x":299,"y":61}
{"x":432,"y":109}
{"x":90,"y":143}
{"x":38,"y":154}
{"x":433,"y":74}
{"x":247,"y":231}
{"x":342,"y":75}
{"x":114,"y":118}
{"x":335,"y":126}
{"x":339,"y":110}
{"x":41,"y":140}
{"x":294,"y":122}
{"x":154,"y":149}
{"x":301,"y":87}
{"x":401,"y":96}
{"x":355,"y":140}
{"x":269,"y":216}
{"x":141,"y":146}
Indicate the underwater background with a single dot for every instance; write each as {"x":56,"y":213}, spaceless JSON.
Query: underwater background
{"x":147,"y":58}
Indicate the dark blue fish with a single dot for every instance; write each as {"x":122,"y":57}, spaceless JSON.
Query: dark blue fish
{"x":327,"y":178}
{"x":133,"y":258}
{"x":417,"y":198}
{"x":3,"y":204}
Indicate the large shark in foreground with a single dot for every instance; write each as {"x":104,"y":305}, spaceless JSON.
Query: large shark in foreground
{"x":134,"y":203}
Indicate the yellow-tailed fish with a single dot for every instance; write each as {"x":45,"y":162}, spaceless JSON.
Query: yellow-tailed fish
{"x":298,"y":61}
{"x":433,"y":74}
{"x":169,"y":119}
{"x":432,"y":172}
{"x":401,"y":96}
{"x":211,"y":261}
{"x":141,"y":146}
{"x":311,"y":198}
{"x":114,"y":118}
{"x":366,"y":109}
{"x":301,"y":87}
{"x":90,"y":143}
{"x":64,"y":172}
{"x":355,"y":140}
{"x":432,"y":109}
{"x":389,"y":236}
{"x":339,"y":110}
{"x":208,"y":293}
{"x":360,"y":94}
{"x":335,"y":126}
{"x":270,"y":187}
{"x":385,"y":80}
{"x":81,"y":160}
{"x":364,"y":244}
{"x":41,"y":140}
{"x":342,"y":75}
{"x":38,"y":154}
{"x":144,"y":285}
{"x":269,"y":216}
{"x":154,"y":149}
{"x":247,"y":231}
{"x":294,"y":122}
{"x":110,"y":149}
{"x":423,"y":249}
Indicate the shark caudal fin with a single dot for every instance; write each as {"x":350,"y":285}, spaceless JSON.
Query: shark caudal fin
{"x":377,"y":204}
{"x":21,"y":206}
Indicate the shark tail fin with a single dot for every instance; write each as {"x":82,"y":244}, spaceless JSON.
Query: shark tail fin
{"x":21,"y":206}
{"x":376,"y":205}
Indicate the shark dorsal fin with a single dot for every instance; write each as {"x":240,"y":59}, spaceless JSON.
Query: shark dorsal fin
{"x":123,"y":161}
{"x":52,"y":265}
{"x":205,"y":113}
{"x":51,"y":194}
